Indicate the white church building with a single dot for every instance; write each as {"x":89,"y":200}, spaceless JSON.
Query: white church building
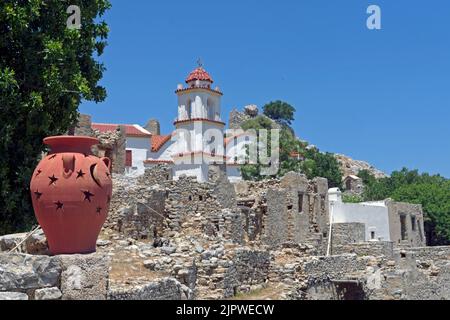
{"x":199,"y":138}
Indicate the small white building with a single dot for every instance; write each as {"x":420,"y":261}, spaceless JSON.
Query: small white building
{"x":374,"y":215}
{"x":401,"y":223}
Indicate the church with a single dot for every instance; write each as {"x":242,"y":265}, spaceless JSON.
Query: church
{"x":199,"y":138}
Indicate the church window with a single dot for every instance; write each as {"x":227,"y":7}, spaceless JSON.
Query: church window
{"x":189,"y":108}
{"x":210,"y":109}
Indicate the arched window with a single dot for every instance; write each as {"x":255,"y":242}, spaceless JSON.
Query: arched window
{"x":211,"y":109}
{"x":189,"y":108}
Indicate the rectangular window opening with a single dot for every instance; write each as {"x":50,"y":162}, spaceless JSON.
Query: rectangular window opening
{"x":404,"y":232}
{"x":413,"y":223}
{"x":300,"y":202}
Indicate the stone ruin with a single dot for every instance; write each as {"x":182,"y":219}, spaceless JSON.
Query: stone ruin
{"x":182,"y":239}
{"x":111,"y":144}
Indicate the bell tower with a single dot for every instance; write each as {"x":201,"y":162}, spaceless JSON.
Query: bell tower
{"x":199,"y":124}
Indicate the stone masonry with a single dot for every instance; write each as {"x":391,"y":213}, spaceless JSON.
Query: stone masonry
{"x":181,"y":240}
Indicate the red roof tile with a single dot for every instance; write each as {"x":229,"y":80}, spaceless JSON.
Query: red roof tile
{"x":130,"y":130}
{"x":159,"y":141}
{"x":199,"y":74}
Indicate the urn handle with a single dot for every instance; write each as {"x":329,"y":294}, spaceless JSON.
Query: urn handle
{"x":107,"y":162}
{"x":68,"y":164}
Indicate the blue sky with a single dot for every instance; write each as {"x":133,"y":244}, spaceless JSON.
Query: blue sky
{"x":380,"y":96}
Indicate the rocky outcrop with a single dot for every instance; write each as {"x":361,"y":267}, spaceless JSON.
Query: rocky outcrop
{"x":353,"y":167}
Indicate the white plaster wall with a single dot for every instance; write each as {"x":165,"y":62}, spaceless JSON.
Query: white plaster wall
{"x":197,"y":132}
{"x":198,"y":101}
{"x":139,"y":143}
{"x":165,"y":153}
{"x":140,"y":149}
{"x":191,"y":170}
{"x":375,"y":217}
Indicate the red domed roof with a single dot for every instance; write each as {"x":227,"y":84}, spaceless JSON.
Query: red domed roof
{"x":199,"y":74}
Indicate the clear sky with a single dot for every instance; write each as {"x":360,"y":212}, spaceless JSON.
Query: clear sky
{"x":380,"y":96}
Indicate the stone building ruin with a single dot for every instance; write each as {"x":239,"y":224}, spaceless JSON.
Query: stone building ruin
{"x":272,"y":239}
{"x":112,"y":144}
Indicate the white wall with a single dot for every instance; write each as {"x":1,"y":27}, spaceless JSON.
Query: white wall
{"x":140,"y":149}
{"x":191,"y":170}
{"x":375,"y":216}
{"x":199,"y":105}
{"x":197,"y":135}
{"x":165,"y":153}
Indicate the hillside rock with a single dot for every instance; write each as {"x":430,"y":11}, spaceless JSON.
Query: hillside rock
{"x":350,"y":166}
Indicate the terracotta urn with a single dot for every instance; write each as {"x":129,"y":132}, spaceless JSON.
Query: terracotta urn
{"x":71,"y":191}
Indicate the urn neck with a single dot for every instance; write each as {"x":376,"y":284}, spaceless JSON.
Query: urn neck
{"x":75,"y":144}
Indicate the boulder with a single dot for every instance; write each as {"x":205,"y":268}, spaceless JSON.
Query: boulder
{"x":9,"y":242}
{"x":168,"y":250}
{"x":12,"y":296}
{"x":37,"y":244}
{"x":48,"y":294}
{"x":84,"y":277}
{"x":22,"y":272}
{"x":251,"y":110}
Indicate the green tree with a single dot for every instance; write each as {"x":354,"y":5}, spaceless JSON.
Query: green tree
{"x":312,"y":162}
{"x":325,"y":165}
{"x":352,"y":198}
{"x":252,"y":171}
{"x":367,"y":177}
{"x":46,"y":70}
{"x":281,"y":112}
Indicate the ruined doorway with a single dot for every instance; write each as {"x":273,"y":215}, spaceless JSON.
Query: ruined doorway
{"x":349,"y":290}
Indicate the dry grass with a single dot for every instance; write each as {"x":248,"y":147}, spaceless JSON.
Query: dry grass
{"x":127,"y":269}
